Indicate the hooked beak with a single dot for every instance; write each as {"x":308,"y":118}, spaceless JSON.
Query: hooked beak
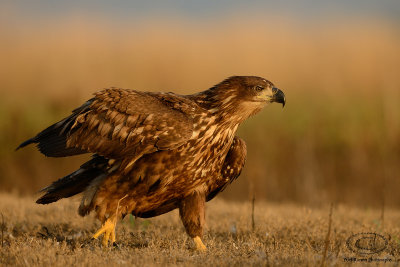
{"x":278,"y":97}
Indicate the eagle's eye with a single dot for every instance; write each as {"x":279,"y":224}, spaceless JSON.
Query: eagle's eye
{"x":258,"y":88}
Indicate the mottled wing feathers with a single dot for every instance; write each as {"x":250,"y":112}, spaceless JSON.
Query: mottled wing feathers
{"x":121,"y":123}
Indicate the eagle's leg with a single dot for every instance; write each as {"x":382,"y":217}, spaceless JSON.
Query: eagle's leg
{"x":192,"y":213}
{"x":108,"y":231}
{"x":199,"y":244}
{"x":108,"y":227}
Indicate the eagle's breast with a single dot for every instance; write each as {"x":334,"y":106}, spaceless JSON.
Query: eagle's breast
{"x":207,"y":148}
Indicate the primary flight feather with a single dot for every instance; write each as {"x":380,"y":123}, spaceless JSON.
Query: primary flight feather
{"x":154,"y":152}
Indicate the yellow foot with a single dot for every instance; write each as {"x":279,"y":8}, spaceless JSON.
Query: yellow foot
{"x":108,"y":229}
{"x":199,"y":244}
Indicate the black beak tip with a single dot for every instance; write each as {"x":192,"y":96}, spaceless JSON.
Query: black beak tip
{"x":279,"y":97}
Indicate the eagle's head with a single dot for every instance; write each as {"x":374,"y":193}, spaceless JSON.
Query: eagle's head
{"x":243,"y":96}
{"x":254,"y":89}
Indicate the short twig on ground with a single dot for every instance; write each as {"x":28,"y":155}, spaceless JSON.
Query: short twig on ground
{"x":252,"y":212}
{"x":327,"y":238}
{"x":383,"y":213}
{"x":3,"y":225}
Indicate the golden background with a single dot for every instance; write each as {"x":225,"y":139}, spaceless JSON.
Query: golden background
{"x":336,"y":140}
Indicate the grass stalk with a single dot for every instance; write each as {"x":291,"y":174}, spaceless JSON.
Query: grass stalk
{"x":327,"y":238}
{"x":253,"y":224}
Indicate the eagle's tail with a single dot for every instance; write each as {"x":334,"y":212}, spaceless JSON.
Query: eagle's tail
{"x":75,"y":182}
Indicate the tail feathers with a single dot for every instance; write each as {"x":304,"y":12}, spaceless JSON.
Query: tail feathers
{"x":52,"y":141}
{"x":68,"y":186}
{"x":75,"y":182}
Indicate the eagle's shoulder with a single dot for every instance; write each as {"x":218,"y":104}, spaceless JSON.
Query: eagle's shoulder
{"x":131,"y":101}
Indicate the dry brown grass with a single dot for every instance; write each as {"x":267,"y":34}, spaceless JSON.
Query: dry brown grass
{"x":285,"y":234}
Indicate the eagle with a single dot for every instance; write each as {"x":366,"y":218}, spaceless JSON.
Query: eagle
{"x":154,"y":152}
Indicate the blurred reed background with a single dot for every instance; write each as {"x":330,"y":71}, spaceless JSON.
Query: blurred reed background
{"x":337,"y":139}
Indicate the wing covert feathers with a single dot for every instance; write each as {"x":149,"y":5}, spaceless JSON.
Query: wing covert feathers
{"x":126,"y":123}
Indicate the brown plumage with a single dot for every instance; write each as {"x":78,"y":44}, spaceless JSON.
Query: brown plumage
{"x":154,"y":152}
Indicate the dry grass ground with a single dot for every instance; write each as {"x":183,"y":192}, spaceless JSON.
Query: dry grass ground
{"x":284,"y":234}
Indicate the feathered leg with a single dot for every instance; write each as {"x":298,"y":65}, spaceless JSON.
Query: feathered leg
{"x":192,"y":213}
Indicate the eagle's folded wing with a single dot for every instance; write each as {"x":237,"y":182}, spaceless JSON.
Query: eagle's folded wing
{"x":119,"y":123}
